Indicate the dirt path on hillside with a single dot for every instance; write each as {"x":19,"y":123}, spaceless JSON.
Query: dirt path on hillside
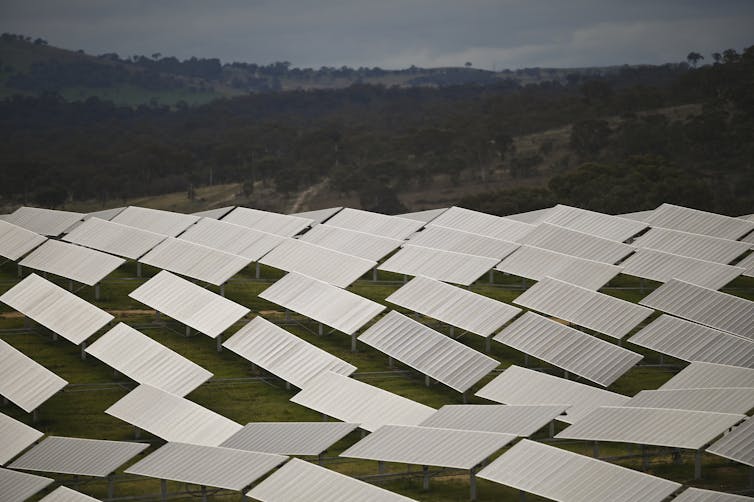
{"x":307,"y":195}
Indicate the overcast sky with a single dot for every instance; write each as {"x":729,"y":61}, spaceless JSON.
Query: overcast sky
{"x":392,"y":34}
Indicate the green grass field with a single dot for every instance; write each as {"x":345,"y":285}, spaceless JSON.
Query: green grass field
{"x":246,"y":395}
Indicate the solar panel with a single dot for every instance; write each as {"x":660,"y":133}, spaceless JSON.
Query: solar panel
{"x":80,"y":264}
{"x":574,"y":243}
{"x":531,"y":217}
{"x":701,"y":247}
{"x":699,"y":495}
{"x":602,"y":225}
{"x":483,"y":224}
{"x":214,"y":214}
{"x":114,"y":238}
{"x":356,"y":402}
{"x":64,"y":494}
{"x":300,"y":481}
{"x":445,"y":266}
{"x":146,"y":361}
{"x":700,"y":375}
{"x":289,"y":438}
{"x":567,"y":348}
{"x":322,"y":302}
{"x":353,"y":242}
{"x":638,"y":215}
{"x":429,"y":352}
{"x":16,"y":241}
{"x":333,"y":267}
{"x":728,"y":400}
{"x":705,"y":306}
{"x":700,"y":222}
{"x":274,"y":223}
{"x":195,"y":261}
{"x":48,"y":222}
{"x":519,"y":420}
{"x":517,"y":385}
{"x":231,"y":238}
{"x":19,"y":486}
{"x":425,"y":216}
{"x":319,"y":215}
{"x":105,"y":214}
{"x":55,"y":308}
{"x":660,"y":266}
{"x":283,"y":354}
{"x":536,"y":264}
{"x":83,"y":457}
{"x":375,"y":223}
{"x":190,"y":304}
{"x":161,"y":222}
{"x":460,"y":449}
{"x":693,"y":342}
{"x":172,"y":418}
{"x":206,"y":465}
{"x":458,"y":241}
{"x":651,"y":426}
{"x":737,"y":445}
{"x":748,"y":265}
{"x":25,"y":382}
{"x":15,"y":437}
{"x":456,"y":306}
{"x":603,"y":313}
{"x":562,"y":475}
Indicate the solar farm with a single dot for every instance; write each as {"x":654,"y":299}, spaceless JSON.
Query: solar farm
{"x":344,"y":355}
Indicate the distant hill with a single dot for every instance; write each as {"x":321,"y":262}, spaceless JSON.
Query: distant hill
{"x":31,"y":67}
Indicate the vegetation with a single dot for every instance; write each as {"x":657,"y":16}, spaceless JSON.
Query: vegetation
{"x":385,"y":148}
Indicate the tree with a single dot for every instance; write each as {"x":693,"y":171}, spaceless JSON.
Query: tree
{"x":589,"y":136}
{"x":693,"y":58}
{"x":717,"y":57}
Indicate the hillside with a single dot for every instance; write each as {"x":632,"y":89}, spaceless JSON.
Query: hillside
{"x":30,"y":66}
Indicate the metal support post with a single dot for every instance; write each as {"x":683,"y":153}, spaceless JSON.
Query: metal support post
{"x":321,"y":458}
{"x":552,"y":428}
{"x":20,"y":271}
{"x":452,"y":331}
{"x":138,"y":269}
{"x":526,"y":360}
{"x":465,"y":396}
{"x":565,"y":374}
{"x":427,"y":380}
{"x":97,"y":291}
{"x":644,"y":458}
{"x":662,"y":359}
{"x":472,"y":484}
{"x":380,"y":467}
{"x":220,"y":343}
{"x":137,"y":433}
{"x":163,"y":489}
{"x":222,"y":290}
{"x":353,"y":342}
{"x":257,"y":273}
{"x":83,"y":351}
{"x":5,"y":401}
{"x":204,"y":493}
{"x":425,"y":483}
{"x":54,"y":337}
{"x":188,"y":331}
{"x":390,"y":362}
{"x":320,"y":330}
{"x":110,"y":487}
{"x":596,"y":449}
{"x":70,"y":285}
{"x":522,"y":496}
{"x":287,"y":315}
{"x":324,"y":417}
{"x":374,"y":274}
{"x":698,"y":464}
{"x":488,"y":344}
{"x":27,"y":322}
{"x":405,"y":278}
{"x":492,"y":276}
{"x":35,"y":416}
{"x":287,"y":385}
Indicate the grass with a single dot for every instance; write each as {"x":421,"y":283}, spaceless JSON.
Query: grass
{"x":243,"y":394}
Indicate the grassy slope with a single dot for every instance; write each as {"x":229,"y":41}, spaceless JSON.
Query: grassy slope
{"x":79,"y":409}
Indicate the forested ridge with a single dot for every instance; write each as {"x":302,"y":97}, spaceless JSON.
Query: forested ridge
{"x":622,"y":149}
